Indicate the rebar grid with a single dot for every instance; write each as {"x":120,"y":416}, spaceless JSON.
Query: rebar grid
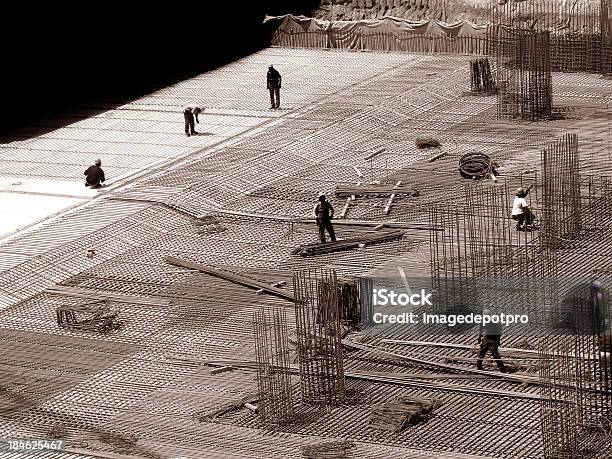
{"x":480,"y":254}
{"x":273,"y":364}
{"x":561,"y":213}
{"x":523,"y":74}
{"x":319,"y":338}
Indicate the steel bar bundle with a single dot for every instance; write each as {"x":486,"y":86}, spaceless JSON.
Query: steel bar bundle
{"x":394,"y":416}
{"x":561,"y":219}
{"x":350,"y":304}
{"x":328,"y":450}
{"x":482,"y":80}
{"x":319,"y":339}
{"x":273,"y":364}
{"x":523,"y":74}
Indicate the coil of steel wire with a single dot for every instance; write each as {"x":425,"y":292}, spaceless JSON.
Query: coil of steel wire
{"x":475,"y":166}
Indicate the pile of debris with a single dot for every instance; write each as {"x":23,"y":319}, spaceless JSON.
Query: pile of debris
{"x":394,"y":416}
{"x":96,"y":316}
{"x":426,"y":142}
{"x":328,"y":450}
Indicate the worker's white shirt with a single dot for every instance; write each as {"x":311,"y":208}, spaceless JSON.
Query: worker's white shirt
{"x":517,"y":207}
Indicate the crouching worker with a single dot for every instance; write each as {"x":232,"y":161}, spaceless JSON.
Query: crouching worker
{"x":324,"y":212}
{"x":521,"y":211}
{"x":94,"y":175}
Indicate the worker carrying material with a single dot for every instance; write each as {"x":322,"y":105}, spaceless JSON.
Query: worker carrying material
{"x":191,"y":111}
{"x":274,"y":85}
{"x":489,"y":339}
{"x":520,"y":210}
{"x":94,"y":175}
{"x":324,"y":212}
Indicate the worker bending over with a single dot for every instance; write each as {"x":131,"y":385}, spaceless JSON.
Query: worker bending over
{"x":521,"y":211}
{"x":324,"y":212}
{"x":189,"y":112}
{"x":94,"y":175}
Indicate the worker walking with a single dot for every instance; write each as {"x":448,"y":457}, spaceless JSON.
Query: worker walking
{"x":94,"y":175}
{"x":274,"y":85}
{"x":489,"y":339}
{"x":324,"y":212}
{"x":191,"y":111}
{"x":521,"y":211}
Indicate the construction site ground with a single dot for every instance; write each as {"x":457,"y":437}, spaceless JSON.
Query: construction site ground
{"x":146,"y":390}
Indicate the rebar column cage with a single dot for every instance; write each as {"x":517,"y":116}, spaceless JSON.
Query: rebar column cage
{"x":593,"y":350}
{"x":606,"y":36}
{"x":273,"y":365}
{"x":561,"y":212}
{"x":524,"y":78}
{"x":559,"y":398}
{"x":319,"y":337}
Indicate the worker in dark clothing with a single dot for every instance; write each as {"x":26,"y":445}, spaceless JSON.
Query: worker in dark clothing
{"x":489,"y":339}
{"x":191,"y":111}
{"x":95,"y":175}
{"x":324,"y":212}
{"x":274,"y":85}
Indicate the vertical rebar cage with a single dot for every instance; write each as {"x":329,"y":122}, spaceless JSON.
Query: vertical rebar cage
{"x":523,"y":74}
{"x":273,"y":364}
{"x":560,"y":398}
{"x":319,"y":338}
{"x":561,"y":219}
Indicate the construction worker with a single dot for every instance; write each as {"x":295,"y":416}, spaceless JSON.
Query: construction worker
{"x":94,"y":175}
{"x":521,"y":211}
{"x":324,"y":212}
{"x":189,"y":112}
{"x":489,"y":339}
{"x":274,"y":85}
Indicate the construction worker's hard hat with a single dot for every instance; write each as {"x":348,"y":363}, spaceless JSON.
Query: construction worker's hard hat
{"x":98,"y":162}
{"x":520,"y":191}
